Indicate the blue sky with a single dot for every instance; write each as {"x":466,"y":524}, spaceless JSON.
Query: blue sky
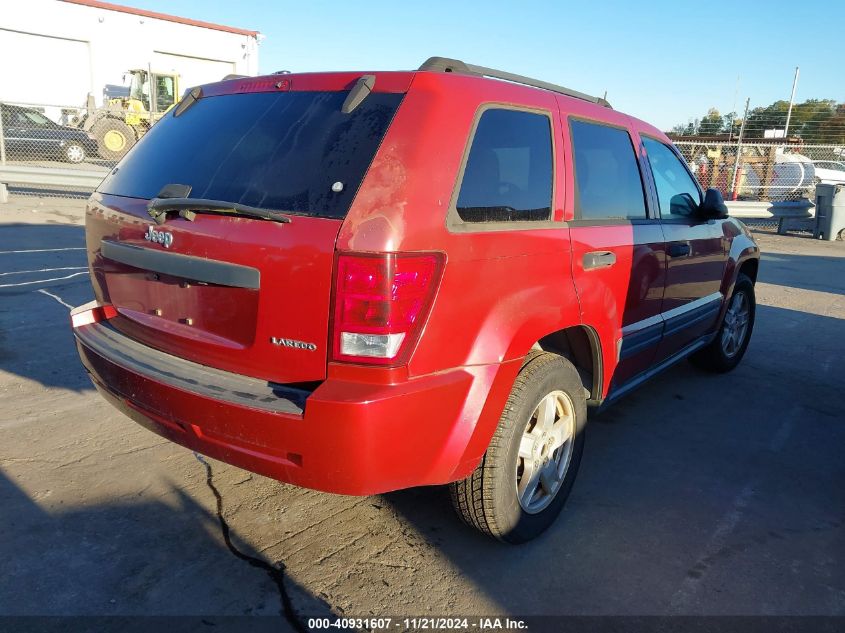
{"x":662,"y":61}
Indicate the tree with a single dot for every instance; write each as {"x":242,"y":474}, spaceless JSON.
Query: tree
{"x":766,"y":118}
{"x":805,"y":121}
{"x":711,"y":123}
{"x":686,"y":129}
{"x":832,"y":130}
{"x":815,"y":121}
{"x":810,"y":118}
{"x":730,"y":123}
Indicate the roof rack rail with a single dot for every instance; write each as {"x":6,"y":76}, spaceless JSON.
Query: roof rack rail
{"x":447,"y":65}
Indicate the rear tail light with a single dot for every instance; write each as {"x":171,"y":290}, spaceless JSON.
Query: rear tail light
{"x":380,"y":304}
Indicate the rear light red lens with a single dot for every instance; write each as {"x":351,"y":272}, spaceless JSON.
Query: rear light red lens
{"x":91,"y":313}
{"x":380,"y":304}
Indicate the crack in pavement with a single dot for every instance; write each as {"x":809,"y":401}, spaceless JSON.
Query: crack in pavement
{"x":276,"y":574}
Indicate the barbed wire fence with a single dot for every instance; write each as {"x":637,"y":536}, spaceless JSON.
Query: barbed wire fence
{"x":815,"y":122}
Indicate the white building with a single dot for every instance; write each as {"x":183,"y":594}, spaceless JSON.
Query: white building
{"x":55,"y":52}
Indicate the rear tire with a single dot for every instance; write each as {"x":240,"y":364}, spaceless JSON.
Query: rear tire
{"x":726,"y":350}
{"x":114,"y":138}
{"x":527,"y":449}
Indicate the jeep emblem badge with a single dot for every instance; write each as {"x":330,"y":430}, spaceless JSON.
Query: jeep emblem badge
{"x":160,"y":237}
{"x":287,"y":342}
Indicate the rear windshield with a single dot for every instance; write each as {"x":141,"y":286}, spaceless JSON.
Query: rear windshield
{"x":288,"y":151}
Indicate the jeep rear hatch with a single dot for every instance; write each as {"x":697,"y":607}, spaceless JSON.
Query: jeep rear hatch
{"x":232,"y":290}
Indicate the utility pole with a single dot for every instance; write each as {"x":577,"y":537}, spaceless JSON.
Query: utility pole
{"x":739,"y":150}
{"x":733,"y":111}
{"x":2,"y":142}
{"x":4,"y":191}
{"x":791,"y":101}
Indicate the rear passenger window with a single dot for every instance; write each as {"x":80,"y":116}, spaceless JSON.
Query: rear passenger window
{"x":607,"y":177}
{"x":508,"y":174}
{"x":676,"y":190}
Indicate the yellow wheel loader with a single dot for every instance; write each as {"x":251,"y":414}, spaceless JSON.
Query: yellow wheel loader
{"x":119,"y":125}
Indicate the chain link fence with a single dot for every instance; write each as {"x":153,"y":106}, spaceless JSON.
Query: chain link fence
{"x":764,"y":171}
{"x":64,"y":151}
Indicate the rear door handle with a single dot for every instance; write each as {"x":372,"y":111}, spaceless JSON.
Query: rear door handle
{"x":598,"y":259}
{"x":679,"y":249}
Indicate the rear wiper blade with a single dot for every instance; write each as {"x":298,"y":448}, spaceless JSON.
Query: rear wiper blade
{"x":158,"y":208}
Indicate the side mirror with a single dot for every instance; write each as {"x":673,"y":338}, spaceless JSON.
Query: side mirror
{"x":713,"y":207}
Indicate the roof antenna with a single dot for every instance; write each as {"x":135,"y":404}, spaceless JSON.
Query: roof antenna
{"x":359,"y":92}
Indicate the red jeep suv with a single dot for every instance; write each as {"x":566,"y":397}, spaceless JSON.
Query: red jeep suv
{"x":360,"y":282}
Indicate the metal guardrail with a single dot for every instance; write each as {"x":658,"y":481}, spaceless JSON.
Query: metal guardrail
{"x":792,"y":215}
{"x":762,"y":210}
{"x":82,"y":179}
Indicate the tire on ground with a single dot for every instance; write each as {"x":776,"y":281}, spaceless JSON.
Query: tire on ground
{"x":114,"y":138}
{"x":488,"y":499}
{"x":714,"y":357}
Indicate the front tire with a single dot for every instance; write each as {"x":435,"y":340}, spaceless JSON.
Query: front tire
{"x":728,"y":348}
{"x":74,"y":153}
{"x":114,"y":138}
{"x":522,"y":483}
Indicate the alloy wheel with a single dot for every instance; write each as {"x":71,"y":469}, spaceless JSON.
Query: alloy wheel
{"x":736,"y":324}
{"x":545,"y":451}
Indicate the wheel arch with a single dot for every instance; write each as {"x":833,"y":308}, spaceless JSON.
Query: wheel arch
{"x":743,"y":256}
{"x":581,"y":346}
{"x":749,"y":268}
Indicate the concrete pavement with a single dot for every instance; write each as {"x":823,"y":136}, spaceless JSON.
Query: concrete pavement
{"x":698,"y":494}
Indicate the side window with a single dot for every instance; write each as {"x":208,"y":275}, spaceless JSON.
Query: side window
{"x":607,"y":177}
{"x":164,"y":92}
{"x":34,"y":119}
{"x":508,"y":175}
{"x":676,"y":190}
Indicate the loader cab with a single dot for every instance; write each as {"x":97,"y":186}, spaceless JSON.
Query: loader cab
{"x":152,"y":92}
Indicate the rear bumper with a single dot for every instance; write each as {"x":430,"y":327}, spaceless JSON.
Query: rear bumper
{"x":345,"y":437}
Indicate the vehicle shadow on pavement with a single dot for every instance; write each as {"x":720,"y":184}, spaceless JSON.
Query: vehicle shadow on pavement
{"x":697,"y":494}
{"x":43,"y":272}
{"x":808,"y":272}
{"x":124,"y":558}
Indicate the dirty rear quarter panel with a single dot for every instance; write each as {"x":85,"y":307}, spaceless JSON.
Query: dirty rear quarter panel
{"x":501,"y":290}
